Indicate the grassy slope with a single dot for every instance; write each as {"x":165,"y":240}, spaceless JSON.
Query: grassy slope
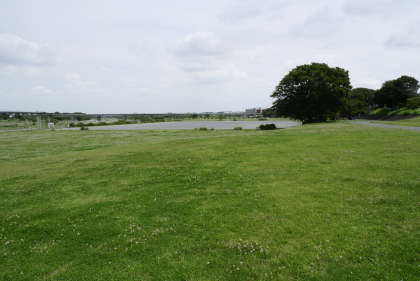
{"x":328,"y":202}
{"x":401,"y":111}
{"x":413,"y":122}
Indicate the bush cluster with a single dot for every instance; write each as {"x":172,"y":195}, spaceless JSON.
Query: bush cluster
{"x":413,"y":103}
{"x":267,"y":127}
{"x":203,"y":128}
{"x":84,"y":128}
{"x":263,"y":119}
{"x":234,"y":119}
{"x":238,"y":128}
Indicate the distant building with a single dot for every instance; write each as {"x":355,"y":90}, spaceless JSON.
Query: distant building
{"x":256,"y":110}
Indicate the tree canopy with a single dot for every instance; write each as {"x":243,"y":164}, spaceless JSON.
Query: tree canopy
{"x":397,"y":91}
{"x":310,"y":91}
{"x":358,"y":100}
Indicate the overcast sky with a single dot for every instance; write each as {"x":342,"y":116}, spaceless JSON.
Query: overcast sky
{"x":192,"y":55}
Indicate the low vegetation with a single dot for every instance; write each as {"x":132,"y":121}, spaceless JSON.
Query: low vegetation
{"x":400,"y":111}
{"x":315,"y":202}
{"x":412,"y":122}
{"x":267,"y":127}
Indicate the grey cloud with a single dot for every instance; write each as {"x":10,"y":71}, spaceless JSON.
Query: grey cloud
{"x":378,"y":7}
{"x":409,"y":37}
{"x":16,"y":51}
{"x":318,"y":26}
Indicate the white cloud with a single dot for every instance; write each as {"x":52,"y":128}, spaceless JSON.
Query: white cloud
{"x":72,"y":76}
{"x":42,"y":90}
{"x":241,"y":10}
{"x":23,"y":69}
{"x":126,"y":79}
{"x":222,"y":73}
{"x":261,"y":82}
{"x":147,"y":90}
{"x":16,"y":51}
{"x":200,"y":44}
{"x":368,"y":83}
{"x":76,"y":82}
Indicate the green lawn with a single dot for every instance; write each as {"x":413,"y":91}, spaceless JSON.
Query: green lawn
{"x":315,"y":202}
{"x":413,"y":122}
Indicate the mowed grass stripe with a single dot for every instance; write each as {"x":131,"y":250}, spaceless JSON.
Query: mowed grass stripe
{"x":315,"y":202}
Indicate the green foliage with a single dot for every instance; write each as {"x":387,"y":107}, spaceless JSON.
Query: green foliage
{"x":309,"y":91}
{"x":269,"y":112}
{"x":234,"y":119}
{"x":397,"y":91}
{"x":238,"y":128}
{"x":413,"y":103}
{"x":203,"y":128}
{"x":19,"y":117}
{"x":4,"y":116}
{"x":262,"y":119}
{"x":221,"y":117}
{"x":267,"y":127}
{"x":194,"y":116}
{"x":356,"y":101}
{"x":71,"y":124}
{"x":212,"y":129}
{"x":84,"y":128}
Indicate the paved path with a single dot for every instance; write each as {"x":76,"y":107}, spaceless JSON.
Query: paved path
{"x":191,"y":125}
{"x":365,"y":123}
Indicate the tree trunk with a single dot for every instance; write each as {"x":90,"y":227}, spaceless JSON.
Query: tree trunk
{"x":317,"y":118}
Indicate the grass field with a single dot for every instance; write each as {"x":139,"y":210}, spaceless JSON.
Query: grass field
{"x":315,"y":202}
{"x":413,"y":122}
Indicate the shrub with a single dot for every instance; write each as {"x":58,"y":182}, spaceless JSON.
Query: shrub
{"x":413,"y":103}
{"x":127,"y":122}
{"x":212,"y":129}
{"x":203,"y":128}
{"x":53,"y":129}
{"x":116,"y":123}
{"x":195,"y":128}
{"x":84,"y":128}
{"x":91,"y":124}
{"x":238,"y":128}
{"x":234,"y":119}
{"x":267,"y":127}
{"x":71,"y":124}
{"x":263,"y":119}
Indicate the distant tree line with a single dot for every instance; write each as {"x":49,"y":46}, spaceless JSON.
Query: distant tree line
{"x":317,"y":92}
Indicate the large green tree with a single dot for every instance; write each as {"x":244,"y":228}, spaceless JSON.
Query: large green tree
{"x":358,"y":101}
{"x":397,"y":91}
{"x":310,"y":91}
